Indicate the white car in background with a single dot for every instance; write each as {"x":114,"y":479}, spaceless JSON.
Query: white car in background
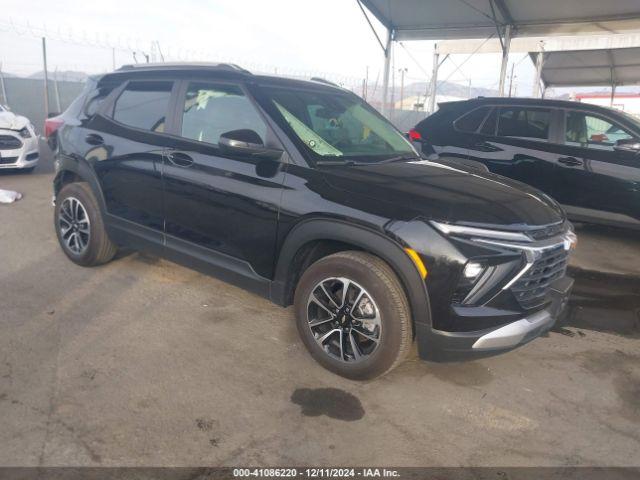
{"x":18,"y":142}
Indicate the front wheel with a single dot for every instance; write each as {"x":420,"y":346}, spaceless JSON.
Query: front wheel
{"x":353,"y":315}
{"x":79,"y":226}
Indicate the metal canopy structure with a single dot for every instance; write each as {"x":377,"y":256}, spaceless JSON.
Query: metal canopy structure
{"x":616,"y":67}
{"x":612,"y":67}
{"x":466,"y":19}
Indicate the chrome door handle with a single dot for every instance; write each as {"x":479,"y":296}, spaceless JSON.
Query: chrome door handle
{"x":180,"y":159}
{"x":570,"y":161}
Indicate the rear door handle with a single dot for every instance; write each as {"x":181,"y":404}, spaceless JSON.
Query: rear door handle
{"x":570,"y":161}
{"x":94,"y":139}
{"x":180,"y":159}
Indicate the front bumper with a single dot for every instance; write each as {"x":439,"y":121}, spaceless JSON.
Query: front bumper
{"x":26,"y":156}
{"x":450,"y":346}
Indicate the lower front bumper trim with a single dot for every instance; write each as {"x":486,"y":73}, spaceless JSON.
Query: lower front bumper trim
{"x":516,"y":332}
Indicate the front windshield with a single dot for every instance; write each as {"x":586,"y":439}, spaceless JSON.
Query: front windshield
{"x":334,"y":124}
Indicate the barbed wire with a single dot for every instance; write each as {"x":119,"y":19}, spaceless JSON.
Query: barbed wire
{"x":138,"y":49}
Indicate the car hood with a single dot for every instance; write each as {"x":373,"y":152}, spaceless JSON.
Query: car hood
{"x":11,"y":121}
{"x":438,"y":192}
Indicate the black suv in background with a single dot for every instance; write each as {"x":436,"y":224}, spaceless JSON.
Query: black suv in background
{"x":586,"y":157}
{"x":302,"y":193}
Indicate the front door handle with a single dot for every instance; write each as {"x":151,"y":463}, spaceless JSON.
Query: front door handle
{"x":94,"y":139}
{"x":570,"y":161}
{"x":180,"y":159}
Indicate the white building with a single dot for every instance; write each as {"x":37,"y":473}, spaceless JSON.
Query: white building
{"x":627,"y":102}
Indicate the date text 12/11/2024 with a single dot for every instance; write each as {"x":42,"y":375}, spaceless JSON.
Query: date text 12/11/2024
{"x":315,"y":472}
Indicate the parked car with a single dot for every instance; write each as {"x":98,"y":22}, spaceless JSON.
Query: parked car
{"x":585,"y":156}
{"x":302,"y":193}
{"x":18,"y":142}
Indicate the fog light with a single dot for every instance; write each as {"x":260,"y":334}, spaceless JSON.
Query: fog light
{"x":472,"y":270}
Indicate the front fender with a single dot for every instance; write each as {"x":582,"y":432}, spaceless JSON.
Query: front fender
{"x":368,"y":239}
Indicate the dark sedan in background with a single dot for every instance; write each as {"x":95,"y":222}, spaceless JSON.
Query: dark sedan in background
{"x":586,"y":157}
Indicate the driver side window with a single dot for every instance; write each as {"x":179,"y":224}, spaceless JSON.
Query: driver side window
{"x":210,"y":110}
{"x":589,"y":131}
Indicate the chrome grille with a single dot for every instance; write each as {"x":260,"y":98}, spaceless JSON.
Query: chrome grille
{"x":548,"y":231}
{"x":8,"y":142}
{"x":531,"y":289}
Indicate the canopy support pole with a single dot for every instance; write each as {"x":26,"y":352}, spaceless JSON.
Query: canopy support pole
{"x":434,"y":80}
{"x":612,"y":75}
{"x":613,"y":94}
{"x":385,"y":73}
{"x":537,"y":90}
{"x":505,"y":59}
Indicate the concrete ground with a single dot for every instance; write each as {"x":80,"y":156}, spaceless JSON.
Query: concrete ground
{"x":143,"y":362}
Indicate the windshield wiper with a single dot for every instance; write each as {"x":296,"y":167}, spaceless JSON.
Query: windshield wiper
{"x":351,"y":163}
{"x":399,"y":158}
{"x":336,"y":162}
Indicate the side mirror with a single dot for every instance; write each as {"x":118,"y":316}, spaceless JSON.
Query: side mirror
{"x":627,"y":145}
{"x":247,"y":142}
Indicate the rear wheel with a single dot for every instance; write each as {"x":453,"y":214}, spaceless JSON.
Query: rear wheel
{"x":79,"y":226}
{"x":353,"y":316}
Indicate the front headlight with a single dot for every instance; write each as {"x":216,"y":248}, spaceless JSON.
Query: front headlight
{"x":481,"y":279}
{"x":464,"y":231}
{"x":24,"y":132}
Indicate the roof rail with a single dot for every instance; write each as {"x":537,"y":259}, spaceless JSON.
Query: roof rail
{"x":322,"y":80}
{"x":229,"y":67}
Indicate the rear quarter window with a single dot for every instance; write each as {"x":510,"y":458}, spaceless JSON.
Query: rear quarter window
{"x":471,"y":121}
{"x":144,"y":105}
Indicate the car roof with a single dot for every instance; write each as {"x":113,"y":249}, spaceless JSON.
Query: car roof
{"x":225,"y":70}
{"x":534,"y":102}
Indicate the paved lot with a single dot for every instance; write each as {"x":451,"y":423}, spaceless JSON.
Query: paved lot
{"x":143,"y":362}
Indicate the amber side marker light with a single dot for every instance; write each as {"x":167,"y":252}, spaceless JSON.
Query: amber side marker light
{"x":417,"y":261}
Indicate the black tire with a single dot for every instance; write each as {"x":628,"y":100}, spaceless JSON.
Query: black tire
{"x":380,"y":282}
{"x":99,"y":248}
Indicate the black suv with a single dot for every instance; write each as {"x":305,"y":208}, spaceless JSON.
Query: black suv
{"x":301,"y":192}
{"x":586,"y":157}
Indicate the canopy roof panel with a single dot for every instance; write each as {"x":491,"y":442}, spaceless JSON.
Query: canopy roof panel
{"x":438,"y":19}
{"x":619,"y":66}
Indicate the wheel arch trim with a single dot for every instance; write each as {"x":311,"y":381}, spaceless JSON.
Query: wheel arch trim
{"x":368,"y":239}
{"x":82,"y":169}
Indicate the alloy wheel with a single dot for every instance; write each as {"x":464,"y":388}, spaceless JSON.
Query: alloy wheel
{"x":74,"y":225}
{"x":344,"y":319}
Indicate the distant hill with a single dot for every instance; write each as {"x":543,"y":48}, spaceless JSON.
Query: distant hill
{"x":63,"y":75}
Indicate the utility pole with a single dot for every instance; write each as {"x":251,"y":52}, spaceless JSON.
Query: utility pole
{"x":113,"y":57}
{"x":5,"y":101}
{"x":56,"y":91}
{"x":511,"y":79}
{"x":46,"y":78}
{"x":402,"y":72}
{"x":385,"y":73}
{"x":366,"y":83}
{"x":392,"y":110}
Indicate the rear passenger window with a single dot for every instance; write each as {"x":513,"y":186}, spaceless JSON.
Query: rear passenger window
{"x":524,"y":123}
{"x":144,"y":105}
{"x":471,"y":121}
{"x":211,"y":110}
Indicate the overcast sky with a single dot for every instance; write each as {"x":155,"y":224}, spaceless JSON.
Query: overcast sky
{"x":329,"y":37}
